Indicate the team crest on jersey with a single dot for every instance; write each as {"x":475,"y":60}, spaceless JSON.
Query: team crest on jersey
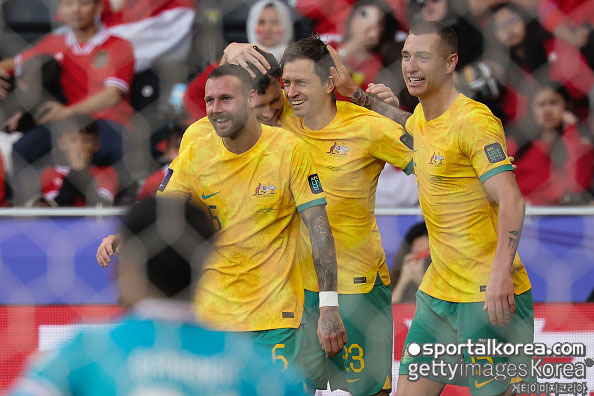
{"x":265,"y":190}
{"x":100,"y":59}
{"x":340,"y":150}
{"x":436,"y":159}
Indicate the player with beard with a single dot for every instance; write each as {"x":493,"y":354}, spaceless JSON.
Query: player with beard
{"x":257,"y":182}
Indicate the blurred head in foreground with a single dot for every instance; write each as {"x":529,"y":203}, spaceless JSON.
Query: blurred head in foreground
{"x":164,"y":244}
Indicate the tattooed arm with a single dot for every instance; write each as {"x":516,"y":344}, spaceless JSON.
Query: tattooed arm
{"x":503,"y":189}
{"x":331,"y":332}
{"x":377,"y":97}
{"x":375,"y":102}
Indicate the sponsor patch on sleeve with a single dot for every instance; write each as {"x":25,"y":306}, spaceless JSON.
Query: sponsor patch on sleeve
{"x":166,"y":180}
{"x":314,"y":183}
{"x":494,"y":153}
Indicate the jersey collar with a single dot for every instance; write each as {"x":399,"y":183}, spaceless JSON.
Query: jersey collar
{"x":95,"y":41}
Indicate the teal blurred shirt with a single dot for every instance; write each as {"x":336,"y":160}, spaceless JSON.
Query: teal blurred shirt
{"x":156,"y":350}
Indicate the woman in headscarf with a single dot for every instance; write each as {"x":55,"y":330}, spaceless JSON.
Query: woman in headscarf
{"x":269,"y":26}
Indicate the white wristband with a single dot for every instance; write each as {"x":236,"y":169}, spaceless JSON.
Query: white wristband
{"x":328,"y":299}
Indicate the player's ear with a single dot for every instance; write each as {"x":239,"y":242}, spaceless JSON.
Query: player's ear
{"x":252,"y":98}
{"x":329,"y":84}
{"x":452,"y":61}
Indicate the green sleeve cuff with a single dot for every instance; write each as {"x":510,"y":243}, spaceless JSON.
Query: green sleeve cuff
{"x":409,"y":168}
{"x":494,"y":171}
{"x":307,"y":205}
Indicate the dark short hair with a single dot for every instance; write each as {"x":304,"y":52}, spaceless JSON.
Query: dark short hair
{"x":310,"y":48}
{"x":446,"y":34}
{"x":236,"y":71}
{"x":171,"y":236}
{"x":415,"y":231}
{"x":263,"y":81}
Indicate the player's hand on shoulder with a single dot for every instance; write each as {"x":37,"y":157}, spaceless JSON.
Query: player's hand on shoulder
{"x":499,"y":301}
{"x":241,"y":54}
{"x":384,"y":93}
{"x":331,"y":331}
{"x":107,"y":248}
{"x":512,"y":160}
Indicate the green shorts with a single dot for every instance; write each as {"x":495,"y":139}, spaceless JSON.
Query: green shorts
{"x":365,"y":366}
{"x":282,"y":345}
{"x":444,"y":322}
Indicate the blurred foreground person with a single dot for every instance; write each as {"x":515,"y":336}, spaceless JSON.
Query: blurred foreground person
{"x":157,"y":348}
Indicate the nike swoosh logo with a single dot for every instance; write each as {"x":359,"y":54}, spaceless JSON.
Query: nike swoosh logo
{"x":477,"y":385}
{"x":354,"y":380}
{"x":205,"y":197}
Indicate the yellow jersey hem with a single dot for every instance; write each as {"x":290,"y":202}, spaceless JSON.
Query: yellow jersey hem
{"x":471,"y":299}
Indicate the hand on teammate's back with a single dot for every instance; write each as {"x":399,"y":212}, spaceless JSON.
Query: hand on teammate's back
{"x":111,"y":244}
{"x":331,"y":332}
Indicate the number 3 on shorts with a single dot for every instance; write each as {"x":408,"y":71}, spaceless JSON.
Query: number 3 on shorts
{"x":276,"y":356}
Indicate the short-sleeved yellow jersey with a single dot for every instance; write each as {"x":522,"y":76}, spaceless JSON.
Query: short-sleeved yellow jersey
{"x":349,"y":154}
{"x":252,"y":281}
{"x":453,"y":155}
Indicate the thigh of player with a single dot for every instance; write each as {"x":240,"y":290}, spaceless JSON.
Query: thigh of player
{"x":474,"y":324}
{"x":435,"y":322}
{"x":365,"y":366}
{"x":282,"y":345}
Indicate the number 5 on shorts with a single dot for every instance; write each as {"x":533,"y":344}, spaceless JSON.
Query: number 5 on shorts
{"x":278,"y":356}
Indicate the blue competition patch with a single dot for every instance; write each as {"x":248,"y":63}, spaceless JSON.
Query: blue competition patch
{"x":166,"y":180}
{"x":494,"y":153}
{"x":314,"y":183}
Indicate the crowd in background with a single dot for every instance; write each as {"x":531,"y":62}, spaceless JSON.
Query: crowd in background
{"x":93,"y":113}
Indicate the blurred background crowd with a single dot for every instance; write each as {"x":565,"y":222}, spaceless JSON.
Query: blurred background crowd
{"x":96,"y":94}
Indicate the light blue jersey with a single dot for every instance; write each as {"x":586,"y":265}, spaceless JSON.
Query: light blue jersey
{"x":148,"y":354}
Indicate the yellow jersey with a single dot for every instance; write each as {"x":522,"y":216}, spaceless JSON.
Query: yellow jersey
{"x":349,"y":154}
{"x":453,"y":155}
{"x":252,"y":281}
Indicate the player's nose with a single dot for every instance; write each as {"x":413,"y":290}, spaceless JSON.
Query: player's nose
{"x":292,"y":91}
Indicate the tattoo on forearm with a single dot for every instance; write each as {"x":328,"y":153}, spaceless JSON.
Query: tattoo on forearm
{"x":513,"y":242}
{"x":324,"y":255}
{"x":374,"y":103}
